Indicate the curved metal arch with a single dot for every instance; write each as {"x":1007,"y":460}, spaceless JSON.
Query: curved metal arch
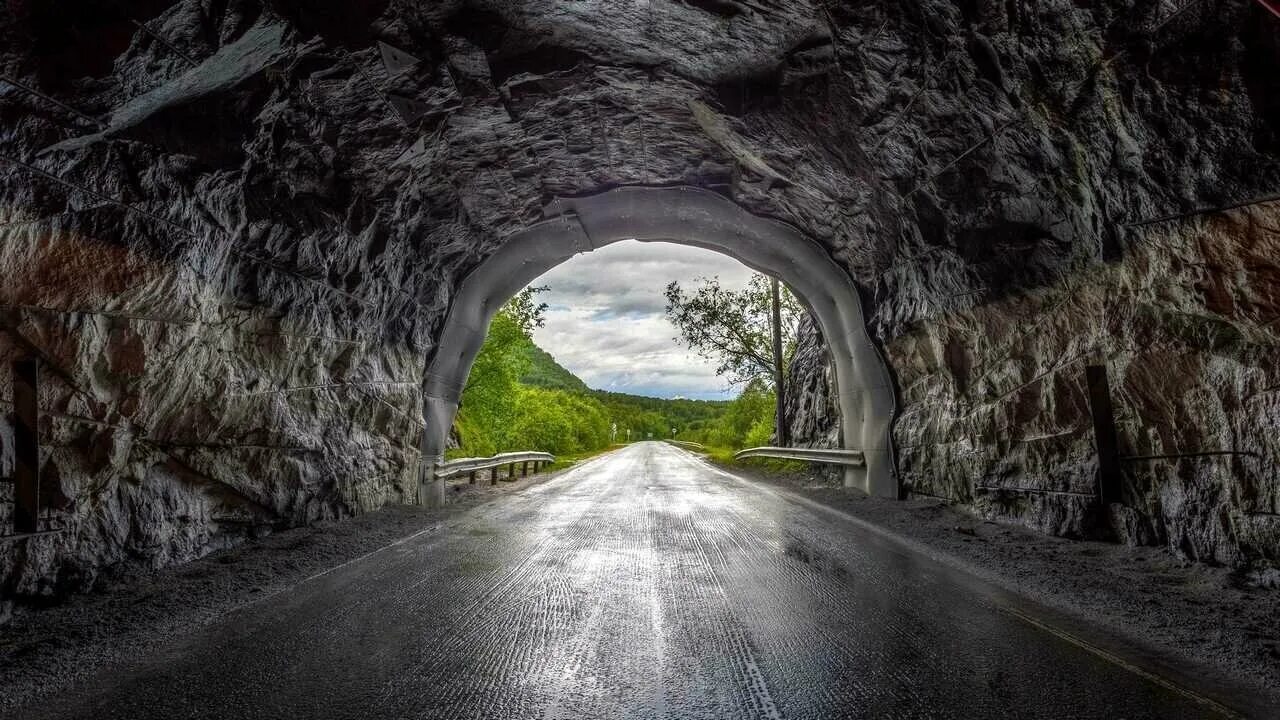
{"x":685,"y":216}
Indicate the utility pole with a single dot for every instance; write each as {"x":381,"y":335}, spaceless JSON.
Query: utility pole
{"x":778,"y":379}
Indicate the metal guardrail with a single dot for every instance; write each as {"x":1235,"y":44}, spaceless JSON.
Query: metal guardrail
{"x":851,"y":458}
{"x":699,"y":447}
{"x":469,"y":466}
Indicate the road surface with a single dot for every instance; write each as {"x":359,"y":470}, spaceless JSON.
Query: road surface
{"x":643,"y":584}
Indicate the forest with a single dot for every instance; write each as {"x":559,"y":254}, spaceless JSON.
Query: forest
{"x":519,"y":398}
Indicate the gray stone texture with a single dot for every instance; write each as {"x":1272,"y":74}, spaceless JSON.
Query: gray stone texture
{"x":236,"y":283}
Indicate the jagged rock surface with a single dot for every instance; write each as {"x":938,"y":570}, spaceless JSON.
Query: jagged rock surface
{"x":813,"y":408}
{"x":239,"y":271}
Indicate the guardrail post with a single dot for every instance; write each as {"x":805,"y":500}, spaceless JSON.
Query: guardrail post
{"x":853,"y":477}
{"x":437,"y":416}
{"x":1104,"y":433}
{"x":26,"y":446}
{"x":514,"y":464}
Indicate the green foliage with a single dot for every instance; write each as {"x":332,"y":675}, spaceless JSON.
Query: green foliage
{"x":488,"y":406}
{"x":761,"y":432}
{"x":644,"y":416}
{"x":558,"y":422}
{"x":747,"y":422}
{"x":526,"y":313}
{"x":474,"y":440}
{"x":519,"y":398}
{"x":545,"y":372}
{"x":487,"y":400}
{"x":733,"y":327}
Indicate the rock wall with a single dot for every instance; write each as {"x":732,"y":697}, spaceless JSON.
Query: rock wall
{"x":813,"y":409}
{"x":994,"y":396}
{"x":995,"y":413}
{"x":232,"y":233}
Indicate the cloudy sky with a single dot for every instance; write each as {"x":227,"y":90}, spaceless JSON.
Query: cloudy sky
{"x":607,"y":321}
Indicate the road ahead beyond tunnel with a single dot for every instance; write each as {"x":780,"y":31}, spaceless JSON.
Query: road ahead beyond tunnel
{"x":642,"y":584}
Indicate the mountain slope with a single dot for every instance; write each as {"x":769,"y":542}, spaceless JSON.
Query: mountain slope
{"x":643,"y":415}
{"x":545,"y":372}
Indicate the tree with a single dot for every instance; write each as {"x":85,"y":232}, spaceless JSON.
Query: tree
{"x":746,"y":422}
{"x":526,"y":313}
{"x":737,"y":329}
{"x":488,"y":406}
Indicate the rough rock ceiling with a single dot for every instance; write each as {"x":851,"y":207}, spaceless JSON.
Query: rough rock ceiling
{"x":969,"y":131}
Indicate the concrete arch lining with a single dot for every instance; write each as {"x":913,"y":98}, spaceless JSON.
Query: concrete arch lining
{"x":686,"y":216}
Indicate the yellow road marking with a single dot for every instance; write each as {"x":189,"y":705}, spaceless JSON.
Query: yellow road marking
{"x":1117,"y":660}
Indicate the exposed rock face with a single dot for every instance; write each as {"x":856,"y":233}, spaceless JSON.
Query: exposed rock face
{"x":993,"y":402}
{"x":995,"y":396}
{"x":235,"y":276}
{"x":813,"y":408}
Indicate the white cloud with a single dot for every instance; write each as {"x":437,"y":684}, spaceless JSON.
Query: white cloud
{"x":607,"y":321}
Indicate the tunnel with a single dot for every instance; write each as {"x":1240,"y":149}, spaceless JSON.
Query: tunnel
{"x":249,"y":250}
{"x":288,"y":211}
{"x":690,"y":216}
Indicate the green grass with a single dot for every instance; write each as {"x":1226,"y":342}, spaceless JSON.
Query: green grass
{"x":564,"y":461}
{"x":724,"y":456}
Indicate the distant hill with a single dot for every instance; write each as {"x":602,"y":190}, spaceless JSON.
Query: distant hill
{"x":545,"y":372}
{"x":644,"y":415}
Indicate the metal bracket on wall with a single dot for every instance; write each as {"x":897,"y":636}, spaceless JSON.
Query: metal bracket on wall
{"x":1105,"y":438}
{"x":1104,"y":433}
{"x":26,"y":453}
{"x":26,"y":449}
{"x":26,"y":446}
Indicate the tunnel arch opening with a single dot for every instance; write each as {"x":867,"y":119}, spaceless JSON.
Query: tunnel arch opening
{"x":684,"y":216}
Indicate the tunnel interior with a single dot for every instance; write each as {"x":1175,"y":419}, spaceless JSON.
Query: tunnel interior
{"x":684,"y":215}
{"x":249,"y":250}
{"x":234,"y":233}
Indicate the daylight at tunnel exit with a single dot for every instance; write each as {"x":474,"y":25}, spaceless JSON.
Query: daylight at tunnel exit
{"x":639,"y":359}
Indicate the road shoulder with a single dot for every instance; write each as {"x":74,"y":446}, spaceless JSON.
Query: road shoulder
{"x":1180,"y":614}
{"x":134,"y":610}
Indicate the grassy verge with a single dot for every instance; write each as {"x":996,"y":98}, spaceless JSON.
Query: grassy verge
{"x":724,"y":456}
{"x":564,"y":461}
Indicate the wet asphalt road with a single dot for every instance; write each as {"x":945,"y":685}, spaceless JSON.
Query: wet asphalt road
{"x":643,"y":584}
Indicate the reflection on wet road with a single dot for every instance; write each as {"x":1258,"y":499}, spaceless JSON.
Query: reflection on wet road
{"x":643,"y":584}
